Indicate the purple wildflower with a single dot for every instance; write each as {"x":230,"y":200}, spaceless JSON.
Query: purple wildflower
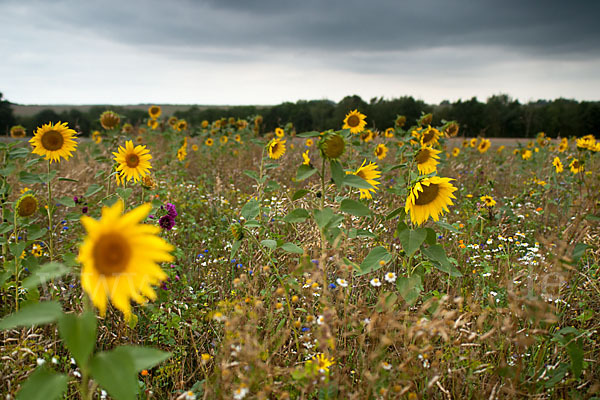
{"x":171,"y":211}
{"x":166,"y":222}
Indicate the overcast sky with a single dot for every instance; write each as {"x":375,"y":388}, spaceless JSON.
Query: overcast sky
{"x":270,"y":51}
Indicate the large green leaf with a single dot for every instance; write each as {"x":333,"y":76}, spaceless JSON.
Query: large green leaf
{"x":144,"y":357}
{"x":437,"y":254}
{"x":270,"y":243}
{"x":337,"y":172}
{"x":93,"y":189}
{"x":304,"y":172}
{"x":355,"y":208}
{"x":43,"y":385}
{"x":115,"y":372}
{"x":292,"y":248}
{"x":300,"y":194}
{"x":575,"y":350}
{"x":409,"y":287}
{"x":297,"y":215}
{"x":79,"y":335}
{"x":412,"y":239}
{"x":372,"y":260}
{"x":357,"y":182}
{"x":45,"y":273}
{"x":250,"y":209}
{"x":35,"y":314}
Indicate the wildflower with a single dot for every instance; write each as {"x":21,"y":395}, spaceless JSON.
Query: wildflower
{"x":355,"y":121}
{"x":276,"y":148}
{"x":166,"y":222}
{"x":321,"y":363}
{"x":557,"y":165}
{"x":134,"y":162}
{"x":306,"y":158}
{"x":119,"y":258}
{"x":488,"y":201}
{"x":342,"y":282}
{"x":375,"y":282}
{"x":429,"y":198}
{"x":206,"y":357}
{"x":390,"y":277}
{"x":54,"y":141}
{"x":240,"y":392}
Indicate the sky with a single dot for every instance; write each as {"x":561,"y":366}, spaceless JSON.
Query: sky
{"x":228,"y":52}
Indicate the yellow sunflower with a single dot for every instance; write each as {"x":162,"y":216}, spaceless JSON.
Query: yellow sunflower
{"x":473,"y":142}
{"x":127,"y":129}
{"x":223,"y":140}
{"x":276,"y":148}
{"x":134,"y":162}
{"x":120,"y":256}
{"x":488,"y":201}
{"x":152,"y":124}
{"x":430,"y":136}
{"x":389,"y":133}
{"x":366,"y":136}
{"x":500,"y":149}
{"x":306,"y":158}
{"x":426,"y":159}
{"x":279,"y":132}
{"x":109,"y":120}
{"x":181,"y":125}
{"x":238,"y":138}
{"x":370,"y":174}
{"x":576,"y":166}
{"x":564,"y":145}
{"x":355,"y":121}
{"x":194,"y":147}
{"x":526,"y":154}
{"x":209,"y":142}
{"x":17,"y":131}
{"x":381,"y":151}
{"x":204,"y":124}
{"x":182,"y":153}
{"x":309,"y":142}
{"x":451,"y":129}
{"x":484,"y":145}
{"x":97,"y":137}
{"x":172,"y":121}
{"x":154,"y":112}
{"x":429,"y":197}
{"x":426,"y":119}
{"x":54,"y":141}
{"x":400,"y":121}
{"x":557,"y":165}
{"x":455,"y":152}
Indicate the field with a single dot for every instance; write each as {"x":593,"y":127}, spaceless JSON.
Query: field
{"x":236,"y":263}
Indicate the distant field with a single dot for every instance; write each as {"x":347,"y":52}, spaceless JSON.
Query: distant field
{"x":168,"y":109}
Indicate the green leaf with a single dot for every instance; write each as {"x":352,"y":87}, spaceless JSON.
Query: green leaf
{"x":437,"y":254}
{"x":409,"y":288}
{"x":250,"y":209}
{"x":67,"y":179}
{"x":412,"y":239}
{"x":143,"y":357}
{"x":292,"y":248}
{"x":43,"y":385}
{"x":355,"y":208}
{"x":235,"y":248}
{"x":124,"y":193}
{"x":304,"y":171}
{"x":93,"y":189}
{"x":19,"y":152}
{"x":44,"y":274}
{"x":16,"y":249}
{"x":67,"y":201}
{"x":397,"y":212}
{"x":79,"y":335}
{"x":327,"y":218}
{"x":28,"y":178}
{"x":431,"y":236}
{"x":35,"y":232}
{"x":297,"y":215}
{"x":251,"y":174}
{"x":300,"y":194}
{"x":271,"y":244}
{"x":575,"y":350}
{"x":115,"y":372}
{"x":356,"y":181}
{"x":337,"y":172}
{"x":579,"y":251}
{"x":35,"y":314}
{"x":372,"y":260}
{"x":272,"y":186}
{"x":447,"y":226}
{"x":45,"y":178}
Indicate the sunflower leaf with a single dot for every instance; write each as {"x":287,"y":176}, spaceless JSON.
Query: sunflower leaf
{"x":250,"y":209}
{"x":67,"y":201}
{"x":304,"y":172}
{"x":300,"y":194}
{"x":79,"y":335}
{"x":412,"y":239}
{"x":292,"y":248}
{"x":308,"y":134}
{"x":355,"y":208}
{"x":35,"y":314}
{"x":43,"y":385}
{"x":144,"y":357}
{"x":372,"y":261}
{"x":337,"y":172}
{"x":115,"y":372}
{"x":297,"y":215}
{"x":45,"y":273}
{"x":437,"y":255}
{"x":93,"y":189}
{"x":356,"y":182}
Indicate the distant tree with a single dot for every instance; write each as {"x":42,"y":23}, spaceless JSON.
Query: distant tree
{"x":7,"y":118}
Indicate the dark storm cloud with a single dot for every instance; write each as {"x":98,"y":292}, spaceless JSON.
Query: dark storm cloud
{"x":550,"y":28}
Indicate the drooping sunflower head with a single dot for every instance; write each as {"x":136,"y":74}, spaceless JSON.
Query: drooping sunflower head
{"x":488,"y":201}
{"x":332,"y":146}
{"x":109,"y":120}
{"x":133,"y":162}
{"x":17,"y":131}
{"x":237,"y":231}
{"x":367,"y":135}
{"x":148,"y":182}
{"x":27,"y":205}
{"x":484,"y":145}
{"x":426,"y":119}
{"x":181,"y":125}
{"x":451,"y":129}
{"x":400,"y":121}
{"x":381,"y":151}
{"x":209,"y":142}
{"x":127,"y":129}
{"x":429,"y":197}
{"x":427,"y":160}
{"x":154,"y":112}
{"x":279,"y":132}
{"x":54,"y":141}
{"x":172,"y":121}
{"x":276,"y":148}
{"x":258,"y":120}
{"x":369,"y":173}
{"x":120,"y":256}
{"x":430,"y":136}
{"x":355,"y":121}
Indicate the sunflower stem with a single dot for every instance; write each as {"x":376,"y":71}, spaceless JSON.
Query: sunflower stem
{"x":15,"y":233}
{"x":49,"y":205}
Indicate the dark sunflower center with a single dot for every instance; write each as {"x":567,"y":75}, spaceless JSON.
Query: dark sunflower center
{"x":575,"y":164}
{"x":132,"y":160}
{"x":111,"y":254}
{"x":422,"y":156}
{"x":27,"y":206}
{"x":428,"y":194}
{"x":428,"y":136}
{"x":52,"y":140}
{"x":154,"y":110}
{"x":334,"y":147}
{"x":353,"y":121}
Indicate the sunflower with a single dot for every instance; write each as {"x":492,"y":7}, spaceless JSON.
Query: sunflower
{"x":17,"y":131}
{"x":258,"y":120}
{"x":27,"y":205}
{"x":133,"y":161}
{"x":54,"y":141}
{"x":389,"y":133}
{"x":152,"y":124}
{"x":455,"y":152}
{"x":473,"y":142}
{"x":223,"y":139}
{"x":204,"y":124}
{"x":279,"y":132}
{"x":332,"y":146}
{"x":429,"y":197}
{"x":148,"y":182}
{"x":526,"y":154}
{"x":366,"y":136}
{"x":97,"y":137}
{"x":109,"y":120}
{"x":154,"y":112}
{"x":426,"y":119}
{"x":500,"y":149}
{"x":586,"y":142}
{"x":430,"y":136}
{"x":194,"y":147}
{"x":127,"y":129}
{"x":557,"y":165}
{"x":238,"y":138}
{"x":181,"y":125}
{"x":308,"y":143}
{"x":120,"y":256}
{"x":576,"y":166}
{"x":242,"y":124}
{"x":209,"y":142}
{"x":172,"y":121}
{"x":426,"y":159}
{"x":564,"y":145}
{"x":276,"y":148}
{"x":306,"y":158}
{"x":451,"y":129}
{"x":400,"y":121}
{"x":488,"y":201}
{"x":182,"y":153}
{"x":484,"y":145}
{"x":370,"y":174}
{"x":355,"y":121}
{"x":381,"y":151}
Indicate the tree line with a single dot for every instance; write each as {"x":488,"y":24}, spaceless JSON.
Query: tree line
{"x":498,"y":116}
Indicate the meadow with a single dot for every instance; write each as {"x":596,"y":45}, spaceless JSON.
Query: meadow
{"x":172,"y":261}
